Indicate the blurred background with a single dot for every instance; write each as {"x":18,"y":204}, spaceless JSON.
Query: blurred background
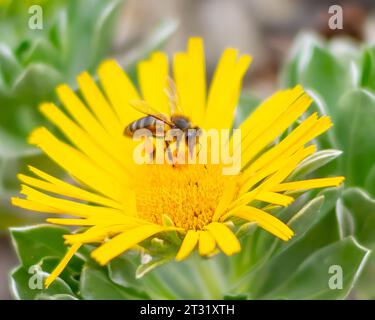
{"x":77,"y":35}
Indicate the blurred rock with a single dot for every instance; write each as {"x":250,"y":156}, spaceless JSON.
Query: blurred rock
{"x":7,"y":261}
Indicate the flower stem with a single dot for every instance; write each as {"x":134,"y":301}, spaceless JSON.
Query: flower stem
{"x":208,"y":278}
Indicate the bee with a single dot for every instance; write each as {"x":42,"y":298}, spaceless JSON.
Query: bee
{"x":176,"y":122}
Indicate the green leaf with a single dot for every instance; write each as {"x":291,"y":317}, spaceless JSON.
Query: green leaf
{"x":328,"y":71}
{"x":362,"y":208}
{"x":367,"y":64}
{"x":145,"y":268}
{"x":172,"y":237}
{"x":32,"y":244}
{"x":193,"y":278}
{"x":41,"y":51}
{"x":24,"y":286}
{"x":79,"y":32}
{"x":367,"y":68}
{"x":9,"y":66}
{"x":103,"y":28}
{"x":36,"y":81}
{"x":57,"y":297}
{"x":236,"y":297}
{"x":311,"y":279}
{"x":314,"y":162}
{"x":304,"y":219}
{"x":344,"y":49}
{"x":354,"y":128}
{"x":12,"y":147}
{"x":370,"y":181}
{"x":246,"y":229}
{"x":290,"y":73}
{"x":96,"y":285}
{"x":345,"y":219}
{"x":321,"y":72}
{"x":364,"y":289}
{"x":122,"y":270}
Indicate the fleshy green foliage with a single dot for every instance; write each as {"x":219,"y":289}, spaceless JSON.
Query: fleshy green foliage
{"x":340,"y":77}
{"x":30,"y":69}
{"x":76,"y":36}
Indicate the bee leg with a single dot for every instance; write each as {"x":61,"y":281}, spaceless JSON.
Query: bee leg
{"x":190,"y":145}
{"x":181,"y":139}
{"x":169,"y":153}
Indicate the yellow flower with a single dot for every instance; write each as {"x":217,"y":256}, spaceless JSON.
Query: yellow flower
{"x":121,"y":203}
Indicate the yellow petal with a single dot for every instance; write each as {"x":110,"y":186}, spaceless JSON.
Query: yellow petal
{"x":109,"y":159}
{"x":98,"y":233}
{"x":285,"y":171}
{"x":258,"y":141}
{"x":188,"y":245}
{"x":120,"y":91}
{"x":60,"y":267}
{"x":228,"y":196}
{"x":274,"y":198}
{"x":225,"y":89}
{"x":63,"y":188}
{"x":124,"y":242}
{"x":67,"y":206}
{"x":268,"y":112}
{"x":282,"y":149}
{"x":70,"y":222}
{"x":305,"y":132}
{"x":224,"y":237}
{"x":83,"y":116}
{"x":309,"y":184}
{"x":153,"y":76}
{"x":207,"y":243}
{"x":99,"y":105}
{"x":265,"y":220}
{"x":190,"y":77}
{"x":197,"y":80}
{"x":181,"y":76}
{"x":76,"y":163}
{"x":105,"y":220}
{"x":33,"y":206}
{"x":284,"y":168}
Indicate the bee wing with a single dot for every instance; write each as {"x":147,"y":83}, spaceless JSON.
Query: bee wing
{"x":171,"y":92}
{"x":143,"y":107}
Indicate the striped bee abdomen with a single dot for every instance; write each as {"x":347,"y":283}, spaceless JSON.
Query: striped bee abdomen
{"x":148,"y":122}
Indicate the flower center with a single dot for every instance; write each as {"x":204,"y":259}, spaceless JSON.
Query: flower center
{"x":188,"y":194}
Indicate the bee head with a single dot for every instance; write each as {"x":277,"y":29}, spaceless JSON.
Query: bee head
{"x":181,"y":122}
